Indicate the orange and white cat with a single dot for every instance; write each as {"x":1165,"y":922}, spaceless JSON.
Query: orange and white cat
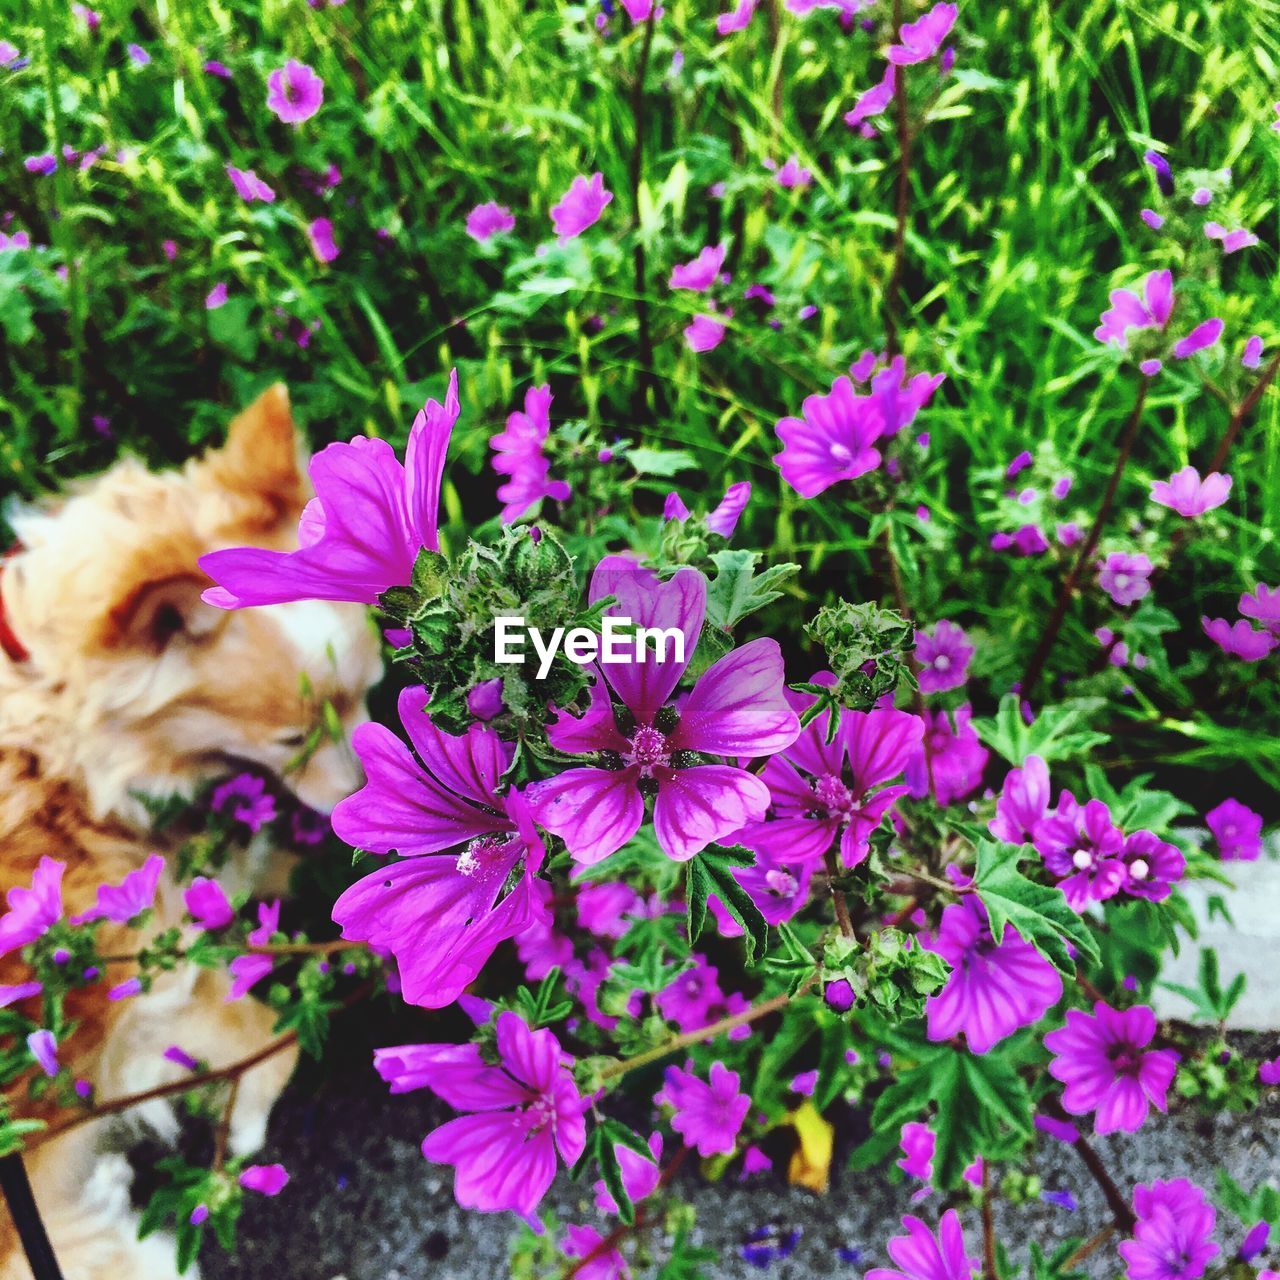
{"x":117,"y":681}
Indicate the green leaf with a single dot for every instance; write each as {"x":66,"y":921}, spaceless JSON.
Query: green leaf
{"x":711,"y":872}
{"x":1039,"y":912}
{"x":738,"y":590}
{"x":660,"y":462}
{"x":1057,"y":733}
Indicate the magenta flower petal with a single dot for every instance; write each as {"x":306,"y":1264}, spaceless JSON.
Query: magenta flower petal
{"x":1205,"y":334}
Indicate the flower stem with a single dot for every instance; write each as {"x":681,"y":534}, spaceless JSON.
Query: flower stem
{"x":1069,"y":584}
{"x":988,"y":1227}
{"x":893,"y":296}
{"x":616,"y":1070}
{"x":1119,"y":1206}
{"x":838,"y":902}
{"x":643,"y":333}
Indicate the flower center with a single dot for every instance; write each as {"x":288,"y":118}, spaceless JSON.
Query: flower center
{"x":1121,"y":581}
{"x":649,"y":747}
{"x":942,"y":663}
{"x":840,"y":453}
{"x":833,"y":795}
{"x":541,"y":1112}
{"x":1139,"y":869}
{"x":1126,"y":1060}
{"x":1082,"y":859}
{"x":782,"y":884}
{"x":485,"y":857}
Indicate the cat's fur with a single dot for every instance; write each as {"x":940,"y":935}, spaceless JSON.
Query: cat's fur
{"x":133,"y":685}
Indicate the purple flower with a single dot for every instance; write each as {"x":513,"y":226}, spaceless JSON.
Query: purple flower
{"x":440,"y":914}
{"x":1154,"y":220}
{"x":792,"y":176}
{"x":1269,"y":1072}
{"x":673,"y":507}
{"x":1023,"y":803}
{"x":1128,"y":311}
{"x":215,"y":68}
{"x":265,"y":1179}
{"x":44,"y":164}
{"x":600,"y":1260}
{"x":199,"y":1215}
{"x":91,"y":18}
{"x":919,"y":1256}
{"x":131,"y":897}
{"x":639,"y":10}
{"x":737,"y":18}
{"x":700,"y":274}
{"x":994,"y":989}
{"x":138,"y":55}
{"x":1103,"y":1060}
{"x":873,"y":101}
{"x":484,"y":701}
{"x":249,"y":187}
{"x":32,"y":912}
{"x":294,"y":92}
{"x":778,"y":886}
{"x":1173,"y":1236}
{"x":840,"y":995}
{"x":207,"y":904}
{"x":824,"y":791}
{"x":176,"y":1054}
{"x":43,"y":1047}
{"x":1254,"y":1242}
{"x":1201,"y":196}
{"x":923,"y":38}
{"x":900,"y":398}
{"x":1125,"y":577}
{"x":320,"y":237}
{"x":704,"y":333}
{"x":12,"y":992}
{"x":1231,"y":241}
{"x":640,"y":1177}
{"x":708,"y":1113}
{"x":126,"y":990}
{"x":1263,"y":605}
{"x":1188,"y":495}
{"x":518,"y":454}
{"x":1252,"y":356}
{"x":1205,"y":334}
{"x":246,"y":798}
{"x":833,"y":440}
{"x":216,"y":297}
{"x":1237,"y":829}
{"x":949,"y":761}
{"x":1239,"y":640}
{"x":580,"y":206}
{"x":687,"y":1000}
{"x":918,"y":1143}
{"x":943,"y":656}
{"x":1081,"y":844}
{"x":736,"y":708}
{"x":362,"y":531}
{"x":488,"y":220}
{"x":724,"y":519}
{"x":10,"y":53}
{"x":1164,"y":175}
{"x":1019,"y":464}
{"x":1152,"y":866}
{"x":524,"y":1110}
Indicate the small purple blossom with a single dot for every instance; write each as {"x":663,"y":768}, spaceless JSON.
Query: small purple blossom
{"x":580,"y":207}
{"x":138,"y":55}
{"x":704,"y":333}
{"x":874,"y":101}
{"x":737,"y":19}
{"x":1173,"y":1236}
{"x":919,"y":1255}
{"x":708,"y":1113}
{"x":923,"y":38}
{"x":701,"y":273}
{"x":130,"y":898}
{"x":216,"y":296}
{"x":320,"y":238}
{"x":1125,"y":577}
{"x":207,"y":904}
{"x":43,"y":164}
{"x":1239,"y":640}
{"x":1237,"y":829}
{"x":249,"y":187}
{"x":944,"y":656}
{"x":246,"y":800}
{"x":265,"y":1179}
{"x":1103,"y":1060}
{"x":518,"y":453}
{"x":43,"y":1047}
{"x":32,"y":912}
{"x":294,"y":92}
{"x":917,"y":1142}
{"x":793,"y":176}
{"x":1190,"y":496}
{"x":488,"y":220}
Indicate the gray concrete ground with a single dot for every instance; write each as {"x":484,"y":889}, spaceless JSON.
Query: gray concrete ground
{"x":363,"y":1204}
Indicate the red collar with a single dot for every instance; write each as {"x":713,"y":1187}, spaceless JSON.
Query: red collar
{"x":14,"y":649}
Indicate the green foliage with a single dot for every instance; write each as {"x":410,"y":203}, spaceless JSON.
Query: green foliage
{"x":1059,"y":732}
{"x":886,"y":971}
{"x":1210,"y":1001}
{"x":737,"y":590}
{"x":1038,"y":912}
{"x":603,"y":1139}
{"x":710,"y":873}
{"x":450,"y":609}
{"x":857,"y":635}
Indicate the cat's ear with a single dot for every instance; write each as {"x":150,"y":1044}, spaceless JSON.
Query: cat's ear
{"x":262,"y":452}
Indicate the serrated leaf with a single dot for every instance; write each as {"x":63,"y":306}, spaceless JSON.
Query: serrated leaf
{"x":1039,"y":912}
{"x":711,"y":872}
{"x":738,"y":590}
